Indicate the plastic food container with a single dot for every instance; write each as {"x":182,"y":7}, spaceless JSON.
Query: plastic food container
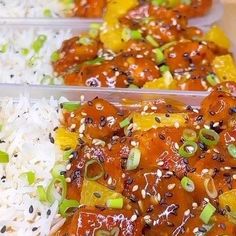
{"x":115,"y":96}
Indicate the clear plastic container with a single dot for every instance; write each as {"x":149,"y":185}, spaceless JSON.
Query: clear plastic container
{"x":115,"y":96}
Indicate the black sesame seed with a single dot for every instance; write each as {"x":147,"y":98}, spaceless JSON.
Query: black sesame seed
{"x":129,"y":181}
{"x":157,"y":120}
{"x":222,"y":226}
{"x":31,"y":209}
{"x":102,"y":208}
{"x":212,"y":113}
{"x":199,"y":118}
{"x":232,"y":110}
{"x":90,"y":103}
{"x":162,"y":137}
{"x":202,"y":229}
{"x":34,"y":229}
{"x":48,"y":212}
{"x":97,"y":195}
{"x":51,"y":138}
{"x":227,"y":208}
{"x":3,"y":229}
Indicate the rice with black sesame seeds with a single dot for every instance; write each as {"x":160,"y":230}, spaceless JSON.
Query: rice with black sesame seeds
{"x":25,"y":131}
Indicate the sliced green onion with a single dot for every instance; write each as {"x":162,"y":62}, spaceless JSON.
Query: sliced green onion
{"x":1,"y":126}
{"x":187,"y":184}
{"x":133,"y":159}
{"x":25,"y":51}
{"x":71,"y":106}
{"x":125,"y":122}
{"x":158,"y":2}
{"x":207,"y":213}
{"x":116,"y":203}
{"x":164,"y":69}
{"x":57,"y":169}
{"x":152,"y":41}
{"x":30,"y":177}
{"x":85,"y":41}
{"x":3,"y":48}
{"x":186,"y":2}
{"x":232,"y":150}
{"x":96,"y":61}
{"x":114,"y":232}
{"x":55,"y":56}
{"x":47,"y":80}
{"x":91,"y":163}
{"x":4,"y":157}
{"x":189,"y":135}
{"x":41,"y":193}
{"x":32,"y":61}
{"x":212,"y":79}
{"x":159,"y":56}
{"x":47,"y":13}
{"x":67,"y":154}
{"x":188,"y":149}
{"x":167,"y":45}
{"x":39,"y":42}
{"x":209,"y":137}
{"x":58,"y":183}
{"x":94,"y":30}
{"x":135,"y":34}
{"x":66,"y":205}
{"x":168,"y":77}
{"x":126,"y":34}
{"x":133,"y":86}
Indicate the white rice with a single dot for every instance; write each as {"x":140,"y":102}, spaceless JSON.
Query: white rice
{"x":16,"y":68}
{"x":26,"y":129}
{"x":33,"y":8}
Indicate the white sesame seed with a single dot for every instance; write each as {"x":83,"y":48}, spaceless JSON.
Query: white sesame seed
{"x":234,"y":177}
{"x":159,"y":173}
{"x":216,"y":124}
{"x":72,"y":114}
{"x":68,"y":179}
{"x":133,"y":143}
{"x":82,"y":98}
{"x":227,"y":168}
{"x":206,"y":126}
{"x":109,"y":182}
{"x":123,"y":175}
{"x":171,"y":186}
{"x":143,"y":193}
{"x":205,"y":171}
{"x":198,"y":127}
{"x":194,"y":205}
{"x":158,"y":197}
{"x":82,"y":128}
{"x":83,"y":114}
{"x":145,"y":108}
{"x":147,"y":217}
{"x":73,"y":126}
{"x":176,"y":146}
{"x":195,"y":230}
{"x":135,"y":188}
{"x":206,"y":199}
{"x":187,"y":212}
{"x":176,"y":124}
{"x":68,"y":166}
{"x":160,"y":163}
{"x":154,"y":108}
{"x":133,"y":218}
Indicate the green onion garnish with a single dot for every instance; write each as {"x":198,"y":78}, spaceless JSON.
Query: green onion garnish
{"x":115,"y":203}
{"x":66,"y":205}
{"x":209,"y":137}
{"x":96,"y":61}
{"x":125,"y":122}
{"x":55,"y":56}
{"x":187,"y":184}
{"x":164,"y":69}
{"x":133,"y":159}
{"x":207,"y":213}
{"x":30,"y":177}
{"x":71,"y":106}
{"x":3,"y":48}
{"x":4,"y":157}
{"x":158,"y":2}
{"x":126,"y":34}
{"x":67,"y":154}
{"x":152,"y":41}
{"x":186,"y":2}
{"x":133,"y":86}
{"x":25,"y":51}
{"x":159,"y":56}
{"x":52,"y":192}
{"x":41,"y":193}
{"x":135,"y":34}
{"x":167,"y":45}
{"x":57,"y":169}
{"x":232,"y":150}
{"x":39,"y":42}
{"x":189,"y":135}
{"x":99,"y":169}
{"x":188,"y":149}
{"x":85,"y":41}
{"x":212,"y":79}
{"x":47,"y":13}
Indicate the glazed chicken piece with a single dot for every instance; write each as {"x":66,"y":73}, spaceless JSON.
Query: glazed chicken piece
{"x":89,"y":8}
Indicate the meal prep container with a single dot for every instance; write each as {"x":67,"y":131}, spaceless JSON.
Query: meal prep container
{"x":115,"y":96}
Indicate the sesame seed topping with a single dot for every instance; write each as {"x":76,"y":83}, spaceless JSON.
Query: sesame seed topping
{"x":135,"y":188}
{"x":133,"y":217}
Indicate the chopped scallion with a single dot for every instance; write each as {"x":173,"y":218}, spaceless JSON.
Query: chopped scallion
{"x":187,"y":184}
{"x":66,"y":205}
{"x":212,"y":79}
{"x":57,"y":169}
{"x":133,"y":159}
{"x":115,"y":203}
{"x":4,"y":157}
{"x":188,"y":149}
{"x":41,"y":193}
{"x":92,"y":164}
{"x":85,"y":41}
{"x":39,"y":42}
{"x":164,"y":69}
{"x":125,"y":122}
{"x":30,"y":177}
{"x":232,"y":150}
{"x":159,"y":56}
{"x":136,"y":34}
{"x":67,"y":154}
{"x":189,"y":135}
{"x":152,"y":41}
{"x":55,"y":56}
{"x":207,"y":213}
{"x":71,"y":106}
{"x":25,"y":51}
{"x":209,"y":137}
{"x":47,"y":13}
